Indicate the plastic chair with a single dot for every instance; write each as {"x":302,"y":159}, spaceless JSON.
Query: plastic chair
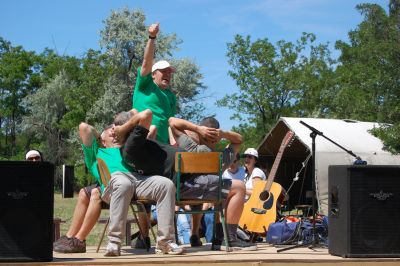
{"x":138,"y":203}
{"x":200,"y":163}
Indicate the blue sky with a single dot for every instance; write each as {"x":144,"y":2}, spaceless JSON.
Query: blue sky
{"x":205,"y":27}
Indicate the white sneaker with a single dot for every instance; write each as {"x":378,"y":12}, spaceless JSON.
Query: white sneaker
{"x":113,"y":249}
{"x":168,"y":247}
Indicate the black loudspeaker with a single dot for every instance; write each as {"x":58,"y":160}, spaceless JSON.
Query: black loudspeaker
{"x":364,"y":211}
{"x":68,"y":181}
{"x":26,"y":211}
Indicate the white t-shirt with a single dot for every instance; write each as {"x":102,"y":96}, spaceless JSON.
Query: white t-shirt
{"x":257,"y":172}
{"x":239,"y":175}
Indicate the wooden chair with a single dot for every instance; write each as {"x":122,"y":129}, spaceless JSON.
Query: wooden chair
{"x":138,"y":203}
{"x":200,"y":163}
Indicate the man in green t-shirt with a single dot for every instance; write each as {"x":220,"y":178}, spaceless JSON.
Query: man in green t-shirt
{"x":153,"y":91}
{"x":126,"y":183}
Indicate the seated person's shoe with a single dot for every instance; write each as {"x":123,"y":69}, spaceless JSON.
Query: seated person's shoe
{"x":70,"y":245}
{"x":140,"y":244}
{"x":61,"y":241}
{"x":113,"y":249}
{"x":239,"y":244}
{"x":168,"y":247}
{"x":195,"y":241}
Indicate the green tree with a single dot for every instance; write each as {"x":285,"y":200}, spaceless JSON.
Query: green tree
{"x":275,"y":81}
{"x":368,"y":75}
{"x":18,"y":78}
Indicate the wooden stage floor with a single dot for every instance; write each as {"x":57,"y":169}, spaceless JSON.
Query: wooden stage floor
{"x":265,"y":255}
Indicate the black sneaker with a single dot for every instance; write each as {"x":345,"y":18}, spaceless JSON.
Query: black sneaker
{"x":73,"y":245}
{"x":239,"y":244}
{"x":140,"y":244}
{"x":195,"y":241}
{"x":63,"y":240}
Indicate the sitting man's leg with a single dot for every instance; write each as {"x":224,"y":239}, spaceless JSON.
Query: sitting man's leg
{"x":86,"y":213}
{"x":161,"y":190}
{"x":122,"y":187}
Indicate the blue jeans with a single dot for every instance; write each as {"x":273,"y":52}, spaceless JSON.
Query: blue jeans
{"x":207,"y":223}
{"x":183,"y":225}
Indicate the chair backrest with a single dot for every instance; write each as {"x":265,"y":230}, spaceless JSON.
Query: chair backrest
{"x":198,"y":163}
{"x":105,"y":175}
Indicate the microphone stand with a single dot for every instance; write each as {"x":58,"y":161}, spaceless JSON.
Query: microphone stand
{"x":359,"y":161}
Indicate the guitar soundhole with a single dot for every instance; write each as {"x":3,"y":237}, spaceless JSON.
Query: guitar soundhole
{"x":264,"y":195}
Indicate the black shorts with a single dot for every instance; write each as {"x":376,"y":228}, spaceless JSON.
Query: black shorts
{"x":88,"y":192}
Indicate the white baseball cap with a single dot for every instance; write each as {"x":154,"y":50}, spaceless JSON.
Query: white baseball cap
{"x":32,"y":153}
{"x":251,"y":151}
{"x":162,"y":65}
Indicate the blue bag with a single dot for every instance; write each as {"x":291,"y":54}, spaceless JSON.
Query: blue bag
{"x":321,"y":230}
{"x":282,"y":232}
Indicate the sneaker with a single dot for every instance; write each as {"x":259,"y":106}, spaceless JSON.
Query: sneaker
{"x":71,"y":245}
{"x":239,"y":244}
{"x":140,"y":244}
{"x":113,"y":249}
{"x":168,"y":247}
{"x":61,"y":241}
{"x":195,"y":241}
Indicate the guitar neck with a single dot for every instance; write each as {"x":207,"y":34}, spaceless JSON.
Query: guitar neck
{"x":285,"y":142}
{"x":273,"y":171}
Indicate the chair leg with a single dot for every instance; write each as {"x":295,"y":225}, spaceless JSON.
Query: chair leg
{"x":221,"y":213}
{"x":102,"y":235}
{"x":143,"y":209}
{"x":141,"y":230}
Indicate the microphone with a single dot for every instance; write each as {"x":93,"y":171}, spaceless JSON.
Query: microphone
{"x":359,"y":161}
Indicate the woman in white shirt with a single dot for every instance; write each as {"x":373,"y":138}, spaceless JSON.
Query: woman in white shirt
{"x":253,"y":173}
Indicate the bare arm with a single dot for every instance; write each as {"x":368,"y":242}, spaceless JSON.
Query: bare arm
{"x":178,"y":127}
{"x":88,"y":134}
{"x":234,"y":138}
{"x":143,"y":119}
{"x":149,"y":50}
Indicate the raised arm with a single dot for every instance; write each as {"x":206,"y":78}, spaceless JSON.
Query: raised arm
{"x":88,"y":134}
{"x":234,"y":138}
{"x":143,"y":119}
{"x":178,"y":127}
{"x":149,"y":50}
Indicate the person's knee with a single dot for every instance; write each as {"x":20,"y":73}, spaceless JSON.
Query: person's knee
{"x":167,"y":185}
{"x":95,"y":195}
{"x":83,"y":197}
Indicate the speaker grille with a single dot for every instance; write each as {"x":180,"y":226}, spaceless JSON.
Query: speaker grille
{"x":26,"y":211}
{"x":374,"y":208}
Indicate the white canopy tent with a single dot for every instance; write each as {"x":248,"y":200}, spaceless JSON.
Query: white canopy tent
{"x":352,"y":135}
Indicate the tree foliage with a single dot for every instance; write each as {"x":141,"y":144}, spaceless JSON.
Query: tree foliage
{"x":276,"y":80}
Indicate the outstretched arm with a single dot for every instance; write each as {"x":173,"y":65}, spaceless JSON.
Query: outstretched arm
{"x":149,"y":50}
{"x":143,"y":119}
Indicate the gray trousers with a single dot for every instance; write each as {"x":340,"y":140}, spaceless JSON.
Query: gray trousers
{"x":124,"y":186}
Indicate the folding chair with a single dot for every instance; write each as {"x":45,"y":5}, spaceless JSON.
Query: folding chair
{"x":138,"y":203}
{"x":200,"y":163}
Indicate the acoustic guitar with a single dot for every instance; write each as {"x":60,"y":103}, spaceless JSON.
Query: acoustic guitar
{"x":261,"y":208}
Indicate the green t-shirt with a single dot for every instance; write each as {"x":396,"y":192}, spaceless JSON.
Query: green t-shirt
{"x":111,"y":156}
{"x":162,"y":102}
